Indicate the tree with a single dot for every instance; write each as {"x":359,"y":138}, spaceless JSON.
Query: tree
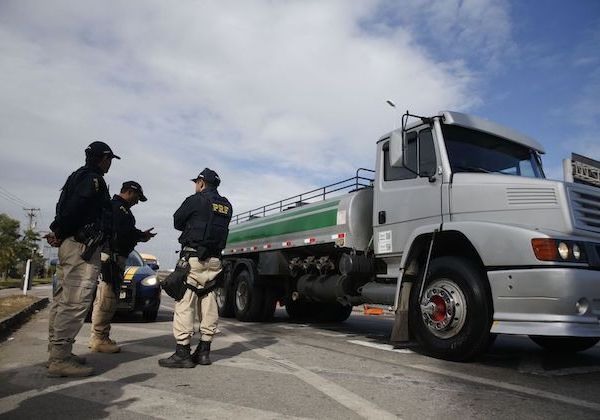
{"x":9,"y":244}
{"x":28,"y":248}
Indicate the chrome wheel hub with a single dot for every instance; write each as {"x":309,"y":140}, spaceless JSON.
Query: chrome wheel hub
{"x":241,"y":296}
{"x":443,"y":308}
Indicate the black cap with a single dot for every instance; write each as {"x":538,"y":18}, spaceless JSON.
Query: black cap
{"x":99,"y":148}
{"x":132,"y":185}
{"x":209,"y":176}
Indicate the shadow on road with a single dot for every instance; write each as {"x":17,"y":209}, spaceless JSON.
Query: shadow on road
{"x":92,"y":399}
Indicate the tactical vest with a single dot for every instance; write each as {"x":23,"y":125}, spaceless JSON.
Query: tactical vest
{"x":217,"y":227}
{"x":68,"y":189}
{"x":98,"y":212}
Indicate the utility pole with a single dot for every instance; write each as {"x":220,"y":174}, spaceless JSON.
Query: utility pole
{"x":31,"y":213}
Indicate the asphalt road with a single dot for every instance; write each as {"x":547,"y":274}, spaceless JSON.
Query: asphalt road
{"x":284,"y":370}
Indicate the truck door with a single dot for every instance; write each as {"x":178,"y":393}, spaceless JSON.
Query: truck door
{"x":406,"y":197}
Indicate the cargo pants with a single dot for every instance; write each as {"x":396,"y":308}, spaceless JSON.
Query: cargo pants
{"x":105,"y":305}
{"x":72,"y":298}
{"x":190,"y":306}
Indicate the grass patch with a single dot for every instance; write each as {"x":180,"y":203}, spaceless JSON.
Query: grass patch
{"x":10,"y":305}
{"x":10,"y":283}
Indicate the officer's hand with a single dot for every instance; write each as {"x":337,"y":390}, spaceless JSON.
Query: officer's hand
{"x":148,"y":234}
{"x":53,"y":240}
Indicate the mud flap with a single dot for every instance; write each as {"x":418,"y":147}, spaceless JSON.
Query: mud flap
{"x":400,"y":337}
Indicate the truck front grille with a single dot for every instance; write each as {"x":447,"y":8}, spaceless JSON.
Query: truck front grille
{"x":585,"y":207}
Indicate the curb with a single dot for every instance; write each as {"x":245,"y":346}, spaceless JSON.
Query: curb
{"x":16,"y":320}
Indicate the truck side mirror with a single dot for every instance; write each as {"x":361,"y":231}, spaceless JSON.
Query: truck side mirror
{"x":396,"y":150}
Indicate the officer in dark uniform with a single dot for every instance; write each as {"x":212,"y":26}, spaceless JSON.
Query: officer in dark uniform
{"x":204,"y":220}
{"x":125,"y":238}
{"x":83,"y":222}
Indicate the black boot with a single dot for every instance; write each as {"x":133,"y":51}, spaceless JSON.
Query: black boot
{"x":180,"y":359}
{"x":201,"y":353}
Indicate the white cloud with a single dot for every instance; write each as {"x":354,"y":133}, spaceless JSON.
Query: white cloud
{"x":277,"y":96}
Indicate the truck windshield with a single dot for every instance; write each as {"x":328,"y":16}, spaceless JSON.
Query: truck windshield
{"x":476,"y":151}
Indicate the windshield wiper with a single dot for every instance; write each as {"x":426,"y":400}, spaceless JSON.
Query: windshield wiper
{"x":471,"y":169}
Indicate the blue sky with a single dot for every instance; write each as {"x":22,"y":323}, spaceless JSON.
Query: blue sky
{"x":278,"y":97}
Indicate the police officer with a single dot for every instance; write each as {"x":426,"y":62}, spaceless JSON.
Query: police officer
{"x":125,"y":238}
{"x":83,"y":221}
{"x":203,"y":219}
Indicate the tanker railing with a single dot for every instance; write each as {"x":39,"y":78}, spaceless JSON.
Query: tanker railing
{"x":359,"y":181}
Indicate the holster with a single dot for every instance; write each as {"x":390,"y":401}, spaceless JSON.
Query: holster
{"x":175,"y":283}
{"x":92,"y":237}
{"x":112,"y":274}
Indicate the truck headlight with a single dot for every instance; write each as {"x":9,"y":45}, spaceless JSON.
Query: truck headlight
{"x":150,"y":281}
{"x":576,"y":252}
{"x":563,"y":250}
{"x":548,"y":249}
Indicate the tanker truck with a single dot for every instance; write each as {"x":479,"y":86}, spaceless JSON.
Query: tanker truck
{"x":456,"y":229}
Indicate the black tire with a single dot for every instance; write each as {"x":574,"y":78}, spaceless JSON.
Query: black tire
{"x":564,"y":344}
{"x":332,"y":312}
{"x":150,"y":315}
{"x":456,"y":325}
{"x":248,"y":298}
{"x":224,"y":297}
{"x":298,"y":310}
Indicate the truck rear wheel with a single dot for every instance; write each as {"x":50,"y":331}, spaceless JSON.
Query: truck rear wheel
{"x":453,"y":318}
{"x":224,"y":299}
{"x":248,"y":298}
{"x":564,"y":344}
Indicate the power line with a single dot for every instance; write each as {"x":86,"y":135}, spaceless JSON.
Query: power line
{"x":14,"y":198}
{"x":11,"y":200}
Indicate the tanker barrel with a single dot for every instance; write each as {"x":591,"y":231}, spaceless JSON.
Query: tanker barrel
{"x":322,"y":288}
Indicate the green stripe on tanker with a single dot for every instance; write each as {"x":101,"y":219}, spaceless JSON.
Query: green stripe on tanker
{"x":298,"y":221}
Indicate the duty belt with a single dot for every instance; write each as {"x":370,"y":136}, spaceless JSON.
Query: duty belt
{"x":201,"y":254}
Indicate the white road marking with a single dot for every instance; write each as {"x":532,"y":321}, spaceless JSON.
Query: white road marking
{"x":350,"y":400}
{"x":328,"y":334}
{"x":386,"y":347}
{"x":508,"y":386}
{"x":291,"y":327}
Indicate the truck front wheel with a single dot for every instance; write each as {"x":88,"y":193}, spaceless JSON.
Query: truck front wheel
{"x":564,"y":344}
{"x":452,"y":318}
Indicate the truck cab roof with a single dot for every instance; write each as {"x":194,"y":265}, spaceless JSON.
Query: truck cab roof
{"x":480,"y":124}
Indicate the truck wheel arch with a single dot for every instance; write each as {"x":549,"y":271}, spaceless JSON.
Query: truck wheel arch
{"x":449,"y":243}
{"x":446,"y":243}
{"x":244,"y":264}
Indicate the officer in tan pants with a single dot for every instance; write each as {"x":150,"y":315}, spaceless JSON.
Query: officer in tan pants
{"x":83,"y":221}
{"x":125,"y":238}
{"x":204,"y":220}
